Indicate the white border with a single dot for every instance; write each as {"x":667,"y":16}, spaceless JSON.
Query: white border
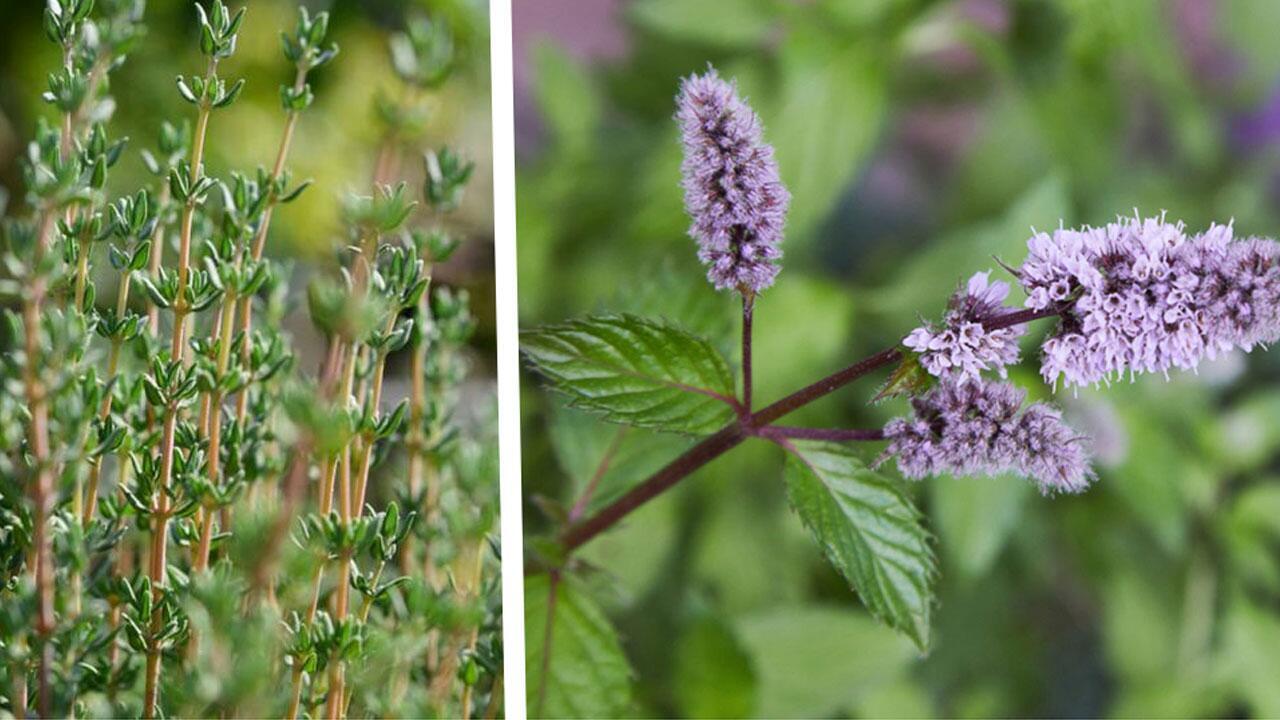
{"x":504,"y":242}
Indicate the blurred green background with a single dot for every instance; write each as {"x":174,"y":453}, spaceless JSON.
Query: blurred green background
{"x":919,"y":139}
{"x":336,"y":141}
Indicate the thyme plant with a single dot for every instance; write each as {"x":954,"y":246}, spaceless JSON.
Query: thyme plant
{"x":1135,"y":296}
{"x":185,"y":513}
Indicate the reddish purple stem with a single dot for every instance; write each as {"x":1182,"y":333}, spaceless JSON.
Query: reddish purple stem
{"x":758,"y":424}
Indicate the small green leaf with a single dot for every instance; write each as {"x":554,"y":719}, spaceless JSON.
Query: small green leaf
{"x":636,"y":371}
{"x":573,"y":660}
{"x":869,"y":530}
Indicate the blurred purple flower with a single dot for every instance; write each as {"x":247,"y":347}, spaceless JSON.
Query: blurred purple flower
{"x":731,"y":185}
{"x":1139,"y":296}
{"x":980,"y":428}
{"x":963,"y":348}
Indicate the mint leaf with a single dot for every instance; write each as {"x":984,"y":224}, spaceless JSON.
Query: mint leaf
{"x":573,"y":659}
{"x":869,"y":530}
{"x":635,"y":371}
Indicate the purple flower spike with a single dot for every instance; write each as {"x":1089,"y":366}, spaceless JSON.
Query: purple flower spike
{"x":980,"y":428}
{"x":1140,"y":296}
{"x":963,"y":348}
{"x":731,"y":185}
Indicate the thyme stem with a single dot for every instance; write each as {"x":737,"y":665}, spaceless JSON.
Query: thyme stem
{"x":42,"y":488}
{"x":159,"y":539}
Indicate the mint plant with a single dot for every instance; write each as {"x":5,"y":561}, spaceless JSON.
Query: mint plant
{"x":1135,"y":296}
{"x":192,"y":523}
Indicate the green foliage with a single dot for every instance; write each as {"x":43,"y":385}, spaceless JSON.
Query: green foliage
{"x":175,"y":537}
{"x":715,"y":677}
{"x":843,"y":653}
{"x":637,"y":371}
{"x":869,"y":529}
{"x":919,"y":140}
{"x":573,"y":661}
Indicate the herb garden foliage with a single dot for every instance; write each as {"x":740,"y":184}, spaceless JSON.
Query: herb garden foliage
{"x":1131,"y":297}
{"x":192,"y":526}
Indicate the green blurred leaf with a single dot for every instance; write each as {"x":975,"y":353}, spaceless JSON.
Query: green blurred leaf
{"x":904,"y":698}
{"x":621,"y":456}
{"x":725,"y":23}
{"x":827,"y":310}
{"x":975,"y":517}
{"x":1139,"y":618}
{"x":816,"y":661}
{"x":870,"y":531}
{"x":567,"y":100}
{"x":1251,"y":532}
{"x":1249,"y":434}
{"x":1251,"y":658}
{"x":714,"y":675}
{"x":1151,"y":479}
{"x":927,"y":277}
{"x":635,"y":371}
{"x":862,"y":13}
{"x":823,"y":118}
{"x":573,"y":659}
{"x":745,"y":515}
{"x":1248,"y":23}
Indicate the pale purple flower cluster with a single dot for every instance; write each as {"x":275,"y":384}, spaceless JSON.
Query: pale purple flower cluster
{"x":981,"y":428}
{"x":963,"y":347}
{"x":1140,"y":296}
{"x":731,"y":185}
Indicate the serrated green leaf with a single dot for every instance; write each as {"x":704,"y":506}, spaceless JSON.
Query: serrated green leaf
{"x":581,"y":671}
{"x":870,"y":531}
{"x":635,"y":371}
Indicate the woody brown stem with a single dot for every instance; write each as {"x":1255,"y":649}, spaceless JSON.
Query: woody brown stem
{"x":42,"y":489}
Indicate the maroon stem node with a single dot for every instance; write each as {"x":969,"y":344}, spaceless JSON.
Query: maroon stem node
{"x":758,"y":424}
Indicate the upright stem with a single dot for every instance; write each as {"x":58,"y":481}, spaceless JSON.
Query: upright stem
{"x":474,"y":636}
{"x":18,"y":699}
{"x":375,"y":401}
{"x":157,"y":256}
{"x":416,"y":440}
{"x":337,"y":669}
{"x":159,"y":539}
{"x":214,"y":432}
{"x":752,"y":424}
{"x":748,"y":309}
{"x":365,"y":607}
{"x":113,"y":361}
{"x":260,"y":241}
{"x":82,"y":274}
{"x":42,"y":489}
